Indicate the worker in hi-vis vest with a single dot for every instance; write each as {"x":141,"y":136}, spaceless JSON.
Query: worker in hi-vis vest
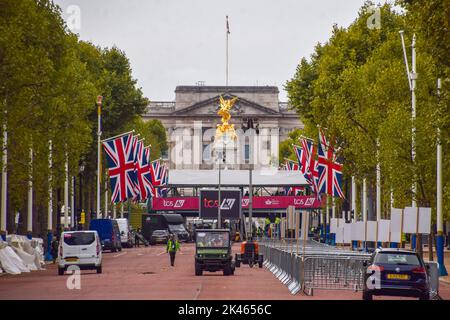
{"x":173,"y":245}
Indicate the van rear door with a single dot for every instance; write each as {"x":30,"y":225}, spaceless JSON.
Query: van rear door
{"x":80,"y":244}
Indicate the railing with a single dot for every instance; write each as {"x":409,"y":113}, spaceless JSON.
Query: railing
{"x":309,"y":265}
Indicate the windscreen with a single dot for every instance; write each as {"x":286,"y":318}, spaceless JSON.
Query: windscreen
{"x":212,"y":239}
{"x":176,"y":227}
{"x":397,"y":258}
{"x":79,"y":238}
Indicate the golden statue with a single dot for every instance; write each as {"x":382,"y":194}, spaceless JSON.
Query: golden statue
{"x":224,"y":112}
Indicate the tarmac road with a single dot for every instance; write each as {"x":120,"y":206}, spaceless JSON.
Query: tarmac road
{"x":145,"y":273}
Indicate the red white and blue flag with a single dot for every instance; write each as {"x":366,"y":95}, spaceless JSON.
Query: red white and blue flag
{"x":142,"y":165}
{"x":120,"y":156}
{"x":162,"y":192}
{"x":330,"y":171}
{"x":155,"y":172}
{"x":311,"y":165}
{"x":292,"y":166}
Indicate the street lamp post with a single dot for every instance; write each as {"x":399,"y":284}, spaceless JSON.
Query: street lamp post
{"x":439,"y":219}
{"x":219,"y":216}
{"x":99,"y":137}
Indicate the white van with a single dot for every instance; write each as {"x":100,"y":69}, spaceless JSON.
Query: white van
{"x":125,"y":235}
{"x":80,"y":248}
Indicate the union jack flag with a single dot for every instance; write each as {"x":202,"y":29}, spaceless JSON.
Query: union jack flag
{"x":142,"y":165}
{"x":164,"y":180}
{"x":148,"y":181}
{"x":155,"y":172}
{"x":330,"y":171}
{"x":121,"y":168}
{"x":292,"y":166}
{"x":312,"y":172}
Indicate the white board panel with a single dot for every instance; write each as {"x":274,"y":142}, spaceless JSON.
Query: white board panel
{"x":396,"y":237}
{"x":347,"y":233}
{"x":340,"y":235}
{"x":396,"y":220}
{"x":333,"y":225}
{"x":371,"y":231}
{"x":410,"y":220}
{"x":424,"y":220}
{"x":383,"y":230}
{"x":358,"y":231}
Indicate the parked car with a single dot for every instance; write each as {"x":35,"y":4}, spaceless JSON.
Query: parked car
{"x":159,"y":236}
{"x":108,"y":231}
{"x":396,"y":272}
{"x":81,"y":249}
{"x":126,"y":238}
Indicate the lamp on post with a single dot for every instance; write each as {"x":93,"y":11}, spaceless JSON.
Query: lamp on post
{"x":81,"y":171}
{"x":99,"y":137}
{"x":221,"y":144}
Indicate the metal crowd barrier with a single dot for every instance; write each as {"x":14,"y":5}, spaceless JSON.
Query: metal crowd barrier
{"x":304,"y":266}
{"x":309,"y":265}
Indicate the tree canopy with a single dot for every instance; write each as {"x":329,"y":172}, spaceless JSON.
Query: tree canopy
{"x":355,"y":87}
{"x":49,"y":81}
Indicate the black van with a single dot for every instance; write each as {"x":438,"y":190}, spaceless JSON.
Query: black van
{"x":171,"y":222}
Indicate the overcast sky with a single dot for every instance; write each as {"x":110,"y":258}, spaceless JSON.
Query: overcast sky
{"x":181,"y":42}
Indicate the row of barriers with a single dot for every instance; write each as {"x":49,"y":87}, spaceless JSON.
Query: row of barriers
{"x":308,"y":265}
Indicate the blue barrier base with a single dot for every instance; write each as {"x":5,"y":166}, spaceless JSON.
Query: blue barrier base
{"x":379,"y":245}
{"x":3,"y":235}
{"x":394,"y":245}
{"x":440,"y":255}
{"x":333,"y":239}
{"x":355,"y":245}
{"x":48,"y":255}
{"x":29,"y":235}
{"x":413,"y":242}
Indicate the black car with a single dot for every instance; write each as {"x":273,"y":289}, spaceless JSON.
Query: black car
{"x":396,"y":272}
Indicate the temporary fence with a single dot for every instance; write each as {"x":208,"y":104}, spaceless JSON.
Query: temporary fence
{"x":308,"y":265}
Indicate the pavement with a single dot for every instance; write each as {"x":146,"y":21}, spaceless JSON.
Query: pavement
{"x":145,"y":273}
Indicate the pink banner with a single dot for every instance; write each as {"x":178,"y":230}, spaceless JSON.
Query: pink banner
{"x":264,"y":202}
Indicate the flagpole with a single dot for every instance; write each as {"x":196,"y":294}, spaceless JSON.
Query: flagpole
{"x":49,"y":256}
{"x":227,"y":33}
{"x":106,"y":199}
{"x":439,"y":219}
{"x":4,"y":179}
{"x":99,"y":135}
{"x":378,"y":175}
{"x":119,"y":135}
{"x":30,"y":198}
{"x":72,"y":203}
{"x":66,"y":193}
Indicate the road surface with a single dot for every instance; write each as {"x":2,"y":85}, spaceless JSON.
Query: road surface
{"x":145,"y":273}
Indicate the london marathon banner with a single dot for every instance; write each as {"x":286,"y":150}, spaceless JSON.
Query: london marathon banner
{"x":259,"y":202}
{"x":230,"y":204}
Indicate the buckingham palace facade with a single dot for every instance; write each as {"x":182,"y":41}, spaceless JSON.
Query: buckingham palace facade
{"x":261,"y":122}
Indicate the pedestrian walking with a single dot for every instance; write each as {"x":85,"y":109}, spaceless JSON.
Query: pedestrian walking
{"x":136,"y":237}
{"x":173,"y":245}
{"x":55,"y":247}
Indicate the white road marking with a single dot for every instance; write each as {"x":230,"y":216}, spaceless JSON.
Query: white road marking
{"x":198,"y":291}
{"x":120,"y":254}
